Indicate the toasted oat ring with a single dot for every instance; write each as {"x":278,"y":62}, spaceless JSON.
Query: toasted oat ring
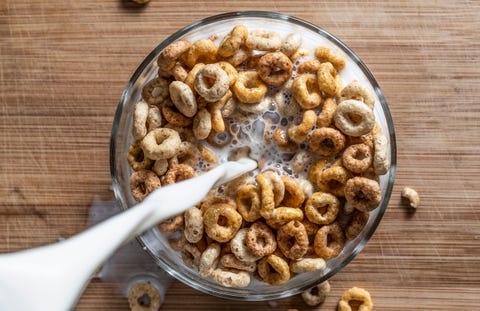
{"x":211,"y":82}
{"x":314,"y":299}
{"x":364,"y":194}
{"x":326,"y":141}
{"x":305,"y":91}
{"x":329,"y":241}
{"x":160,"y":167}
{"x":178,"y":173}
{"x":260,"y":239}
{"x":179,"y":72}
{"x":169,"y":56}
{"x":316,"y":170}
{"x":172,"y":225}
{"x":300,"y":132}
{"x":207,"y":154}
{"x":201,"y":51}
{"x":249,"y":88}
{"x":282,"y":215}
{"x":286,"y":104}
{"x":273,"y":270}
{"x":230,"y":261}
{"x":327,"y":55}
{"x":216,"y":199}
{"x":140,"y":115}
{"x":355,"y":294}
{"x":294,"y":195}
{"x":160,"y":143}
{"x":299,"y":53}
{"x":155,"y":91}
{"x":231,"y":278}
{"x":191,"y":255}
{"x":325,"y":116}
{"x":221,"y":222}
{"x":307,"y":265}
{"x":381,"y":163}
{"x":291,"y":44}
{"x":187,"y":154}
{"x":233,"y":41}
{"x":356,"y":224}
{"x":219,"y":140}
{"x":333,"y":180}
{"x":292,"y":239}
{"x":202,"y":124}
{"x":300,"y":161}
{"x":280,"y":138}
{"x":309,"y":66}
{"x":183,"y":98}
{"x":144,"y":296}
{"x":248,"y":202}
{"x":209,"y":260}
{"x":175,"y":118}
{"x":193,"y":225}
{"x":357,"y":158}
{"x":354,"y":118}
{"x":329,"y":81}
{"x":356,"y":91}
{"x":272,"y":191}
{"x":239,"y":248}
{"x":263,"y":40}
{"x":231,"y":72}
{"x":190,"y":79}
{"x":218,"y":124}
{"x":137,"y":159}
{"x":239,"y":57}
{"x":143,"y":182}
{"x":322,"y":208}
{"x":275,"y":68}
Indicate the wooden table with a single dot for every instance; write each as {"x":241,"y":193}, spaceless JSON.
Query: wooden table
{"x":64,"y":64}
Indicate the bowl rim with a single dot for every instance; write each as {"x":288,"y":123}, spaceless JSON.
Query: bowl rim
{"x":312,"y":27}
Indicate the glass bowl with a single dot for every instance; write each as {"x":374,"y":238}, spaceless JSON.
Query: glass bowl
{"x":154,"y":242}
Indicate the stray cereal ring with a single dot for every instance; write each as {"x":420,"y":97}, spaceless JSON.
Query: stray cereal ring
{"x":137,"y":159}
{"x":202,"y":124}
{"x":292,"y":239}
{"x":230,"y":261}
{"x":358,"y":92}
{"x":231,"y":72}
{"x":178,"y":173}
{"x":312,"y":299}
{"x":169,"y":56}
{"x":249,"y":88}
{"x":144,"y":297}
{"x":275,"y":68}
{"x":333,"y":180}
{"x":155,"y":91}
{"x":325,"y":54}
{"x":364,"y":194}
{"x":231,"y":222}
{"x":209,"y":260}
{"x":232,"y":42}
{"x":354,"y":118}
{"x":142,"y":183}
{"x":193,"y":225}
{"x":356,"y":224}
{"x":201,"y":51}
{"x":326,"y":141}
{"x":211,"y":82}
{"x":239,"y":248}
{"x":411,"y":195}
{"x":263,"y":40}
{"x":322,"y":208}
{"x":329,"y":81}
{"x":357,"y":158}
{"x":307,"y":265}
{"x":260,"y":239}
{"x":183,"y":98}
{"x":329,"y":241}
{"x":274,"y":270}
{"x":283,"y":215}
{"x":309,"y":66}
{"x":172,"y":225}
{"x":355,"y":294}
{"x":291,"y":44}
{"x":300,"y":132}
{"x":231,"y":278}
{"x":175,"y":118}
{"x":381,"y":163}
{"x":294,"y":195}
{"x":248,"y":202}
{"x":306,"y":92}
{"x":191,"y":255}
{"x":325,"y":116}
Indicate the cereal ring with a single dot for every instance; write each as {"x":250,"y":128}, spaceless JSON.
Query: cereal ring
{"x":183,"y":99}
{"x":230,"y":221}
{"x":142,"y":183}
{"x":201,"y":51}
{"x":358,"y":92}
{"x":300,"y":161}
{"x":260,"y":239}
{"x":307,"y":265}
{"x":252,"y":62}
{"x":280,"y":138}
{"x":294,"y":195}
{"x":275,"y":68}
{"x":273,"y":270}
{"x":187,"y":154}
{"x":169,"y":56}
{"x":211,"y":82}
{"x":300,"y":132}
{"x":249,"y":88}
{"x":190,"y":79}
{"x":316,"y":170}
{"x":325,"y":116}
{"x":207,"y":154}
{"x":144,"y":297}
{"x":179,"y":72}
{"x":292,"y":239}
{"x":218,"y":124}
{"x":209,"y":260}
{"x":178,"y":173}
{"x":286,"y":104}
{"x":233,"y":41}
{"x":231,"y":72}
{"x":193,"y":225}
{"x":248,"y":202}
{"x":137,"y":159}
{"x":240,"y":249}
{"x":355,"y":294}
{"x":322,"y":208}
{"x":276,"y":184}
{"x":239,"y":57}
{"x":325,"y":54}
{"x":232,"y":187}
{"x":257,"y":108}
{"x":155,"y":91}
{"x":329,"y":241}
{"x":140,"y":115}
{"x":263,"y":40}
{"x":191,"y":255}
{"x":230,"y":261}
{"x":411,"y":196}
{"x":231,"y":278}
{"x":381,"y":163}
{"x":333,"y":180}
{"x":354,"y":118}
{"x":326,"y":141}
{"x":309,"y":66}
{"x":229,"y":107}
{"x":202,"y":124}
{"x":357,"y":158}
{"x":356,"y":224}
{"x":306,"y":92}
{"x":216,"y":199}
{"x":321,"y":290}
{"x":283,"y":215}
{"x":172,"y":225}
{"x":175,"y":118}
{"x":363,"y":193}
{"x":329,"y":81}
{"x":299,"y":53}
{"x":219,"y":140}
{"x":291,"y":44}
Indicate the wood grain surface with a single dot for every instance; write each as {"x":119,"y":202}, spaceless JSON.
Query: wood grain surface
{"x":63,"y":67}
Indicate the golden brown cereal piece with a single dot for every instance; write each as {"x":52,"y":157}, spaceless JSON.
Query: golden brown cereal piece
{"x":143,"y":182}
{"x":140,"y":115}
{"x":299,"y":53}
{"x":381,"y":162}
{"x":326,"y":141}
{"x":366,"y":139}
{"x":282,"y":215}
{"x":221,"y":222}
{"x":175,"y":118}
{"x":329,"y":81}
{"x":249,"y":88}
{"x":202,"y":124}
{"x":291,"y":44}
{"x":207,"y":154}
{"x":358,"y":92}
{"x":201,"y":51}
{"x":286,"y":104}
{"x":155,"y":91}
{"x":363,"y":193}
{"x":230,"y":261}
{"x":216,"y":199}
{"x":292,"y":239}
{"x":275,"y":68}
{"x":178,"y":173}
{"x":325,"y":116}
{"x":306,"y":92}
{"x":309,"y":66}
{"x":169,"y":56}
{"x":300,"y":132}
{"x":137,"y":159}
{"x":257,"y":108}
{"x":329,"y":241}
{"x":143,"y":296}
{"x":232,"y":42}
{"x":239,"y":57}
{"x":209,"y":259}
{"x":307,"y":265}
{"x":333,"y":180}
{"x":252,"y":62}
{"x":411,"y":196}
{"x":229,"y":108}
{"x":248,"y":202}
{"x":219,"y":140}
{"x":355,"y":294}
{"x":325,"y":54}
{"x":193,"y":225}
{"x":172,"y":225}
{"x":314,"y":299}
{"x":273,"y":270}
{"x":190,"y":79}
{"x":356,"y":224}
{"x":187,"y":154}
{"x":183,"y":98}
{"x":260,"y":239}
{"x":179,"y":72}
{"x":231,"y":278}
{"x":310,"y":227}
{"x":232,"y":73}
{"x":238,"y":246}
{"x":218,"y":124}
{"x":300,"y":161}
{"x":277,"y":186}
{"x":233,"y":186}
{"x":354,"y":118}
{"x":191,"y":255}
{"x":357,"y":158}
{"x":280,"y":138}
{"x":211,"y":82}
{"x":266,"y":196}
{"x":322,"y":208}
{"x":294,"y":195}
{"x":316,"y":170}
{"x":263,"y":40}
